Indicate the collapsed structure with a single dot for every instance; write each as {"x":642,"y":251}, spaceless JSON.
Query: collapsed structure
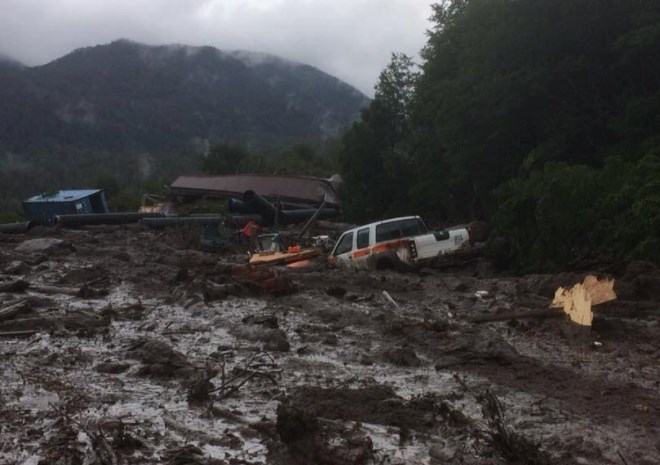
{"x":267,"y":199}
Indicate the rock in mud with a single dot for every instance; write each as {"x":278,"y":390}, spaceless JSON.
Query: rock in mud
{"x":269,"y":321}
{"x":274,"y":340}
{"x":16,"y":268}
{"x":440,"y":453}
{"x":160,"y":359}
{"x":338,"y":292}
{"x":45,"y":245}
{"x":277,"y":342}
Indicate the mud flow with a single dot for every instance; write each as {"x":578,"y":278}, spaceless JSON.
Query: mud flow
{"x":123,"y":346}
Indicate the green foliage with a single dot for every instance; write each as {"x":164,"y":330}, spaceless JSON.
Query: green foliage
{"x":548,"y":218}
{"x":225,"y":159}
{"x":375,"y":162}
{"x":570,"y":215}
{"x":300,"y":160}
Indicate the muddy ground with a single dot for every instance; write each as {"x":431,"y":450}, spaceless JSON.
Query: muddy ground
{"x":120,"y":346}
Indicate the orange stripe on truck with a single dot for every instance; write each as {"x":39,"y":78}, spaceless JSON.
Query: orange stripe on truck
{"x":385,"y":246}
{"x":361,"y":252}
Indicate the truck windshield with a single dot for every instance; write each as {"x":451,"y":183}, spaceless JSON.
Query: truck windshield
{"x":400,"y":228}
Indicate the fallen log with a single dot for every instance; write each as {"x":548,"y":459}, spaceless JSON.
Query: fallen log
{"x":44,"y":289}
{"x":545,"y":313}
{"x":26,"y":333}
{"x":84,"y":291}
{"x":14,"y":309}
{"x":612,"y":309}
{"x":74,"y":322}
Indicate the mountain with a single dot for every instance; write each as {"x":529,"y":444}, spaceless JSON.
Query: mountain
{"x":9,"y":62}
{"x":126,"y":96}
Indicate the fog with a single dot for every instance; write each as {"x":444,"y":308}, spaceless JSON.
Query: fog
{"x":350,"y":39}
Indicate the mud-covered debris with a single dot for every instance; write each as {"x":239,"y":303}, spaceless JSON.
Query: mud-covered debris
{"x":375,"y":404}
{"x":277,"y":342}
{"x":159,"y":359}
{"x":131,"y":312}
{"x":78,"y":320}
{"x":273,"y":339}
{"x":330,"y":340}
{"x":441,"y":453}
{"x":455,"y":284}
{"x":88,"y":292}
{"x":190,"y":455}
{"x":199,"y":387}
{"x":213,"y":291}
{"x":16,"y":267}
{"x":641,"y":281}
{"x":338,"y":292}
{"x":262,"y":280}
{"x":16,"y":286}
{"x":277,"y":286}
{"x":269,"y":321}
{"x":310,"y":439}
{"x":16,"y":308}
{"x":402,"y":356}
{"x":112,"y":367}
{"x":512,"y":446}
{"x":45,"y":245}
{"x":389,"y":298}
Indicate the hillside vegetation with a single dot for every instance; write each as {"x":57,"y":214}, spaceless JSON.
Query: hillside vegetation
{"x":131,"y":117}
{"x":542,"y":117}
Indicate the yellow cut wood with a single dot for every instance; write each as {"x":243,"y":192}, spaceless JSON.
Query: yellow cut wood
{"x":578,"y":300}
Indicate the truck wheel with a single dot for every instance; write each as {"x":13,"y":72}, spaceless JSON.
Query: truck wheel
{"x":384,"y":263}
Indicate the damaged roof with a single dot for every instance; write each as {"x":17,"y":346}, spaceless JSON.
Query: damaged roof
{"x":286,"y":188}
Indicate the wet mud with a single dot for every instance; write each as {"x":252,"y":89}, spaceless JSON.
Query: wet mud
{"x":123,"y":346}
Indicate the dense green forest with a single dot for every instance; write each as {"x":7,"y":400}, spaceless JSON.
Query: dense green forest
{"x":542,"y":117}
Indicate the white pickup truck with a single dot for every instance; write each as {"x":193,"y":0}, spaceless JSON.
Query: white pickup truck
{"x":396,"y":243}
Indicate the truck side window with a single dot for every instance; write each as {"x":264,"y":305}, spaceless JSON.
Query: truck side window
{"x":345,"y":244}
{"x":398,"y":229}
{"x":363,"y":238}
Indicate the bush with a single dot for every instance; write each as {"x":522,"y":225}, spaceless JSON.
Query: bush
{"x":573,"y":215}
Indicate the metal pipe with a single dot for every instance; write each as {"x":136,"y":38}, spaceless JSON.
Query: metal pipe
{"x":298,"y":216}
{"x":173,"y":222}
{"x":15,"y":228}
{"x":257,"y":204}
{"x":73,"y":221}
{"x":238,"y":206}
{"x":310,"y":222}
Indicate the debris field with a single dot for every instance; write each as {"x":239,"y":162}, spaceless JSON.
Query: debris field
{"x":125,"y":346}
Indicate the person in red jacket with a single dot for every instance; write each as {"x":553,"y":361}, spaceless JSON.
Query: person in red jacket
{"x":250,"y":231}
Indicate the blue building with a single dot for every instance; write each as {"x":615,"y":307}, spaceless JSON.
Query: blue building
{"x":43,"y":208}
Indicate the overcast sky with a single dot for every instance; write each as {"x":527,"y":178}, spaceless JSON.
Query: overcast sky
{"x":350,"y":39}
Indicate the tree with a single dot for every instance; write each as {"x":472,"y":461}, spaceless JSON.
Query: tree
{"x":225,"y":159}
{"x":375,"y":160}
